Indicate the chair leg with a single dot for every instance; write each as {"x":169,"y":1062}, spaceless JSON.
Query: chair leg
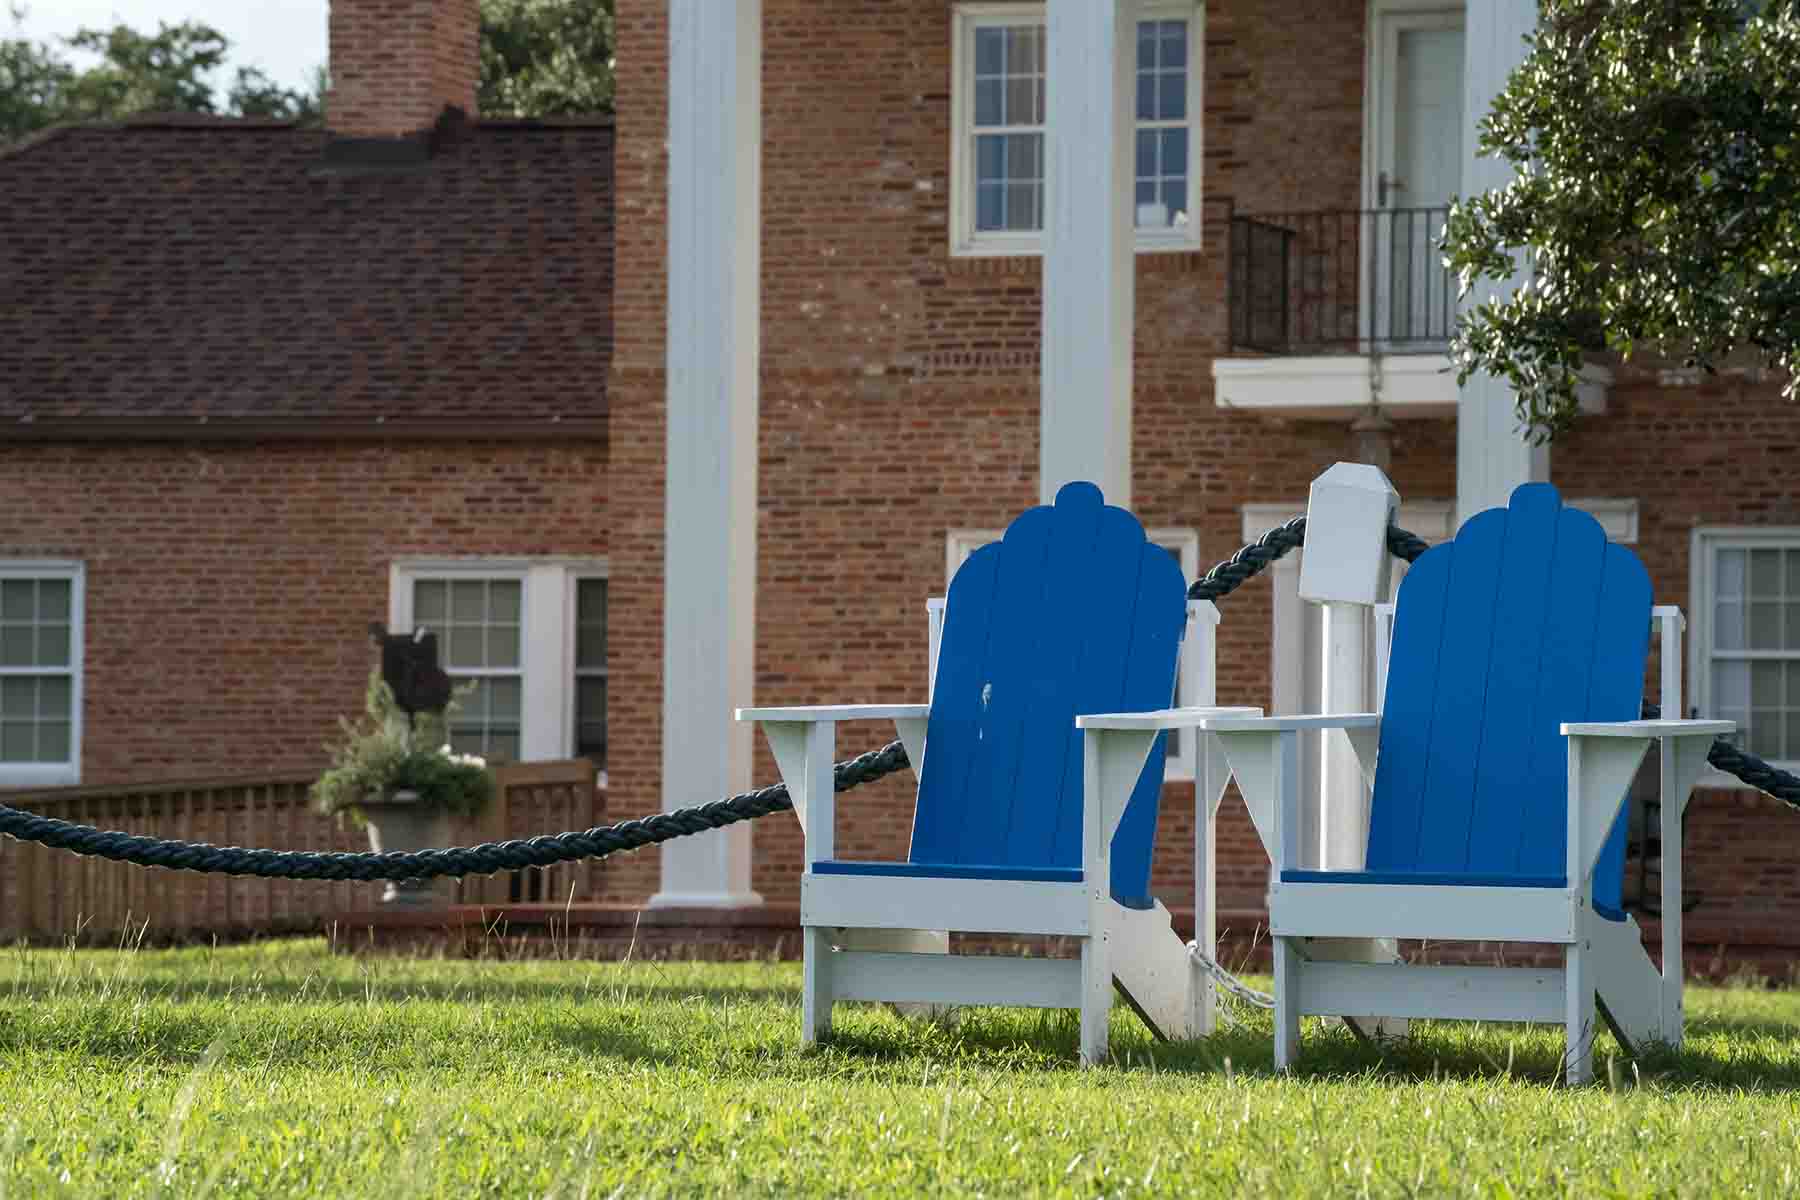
{"x":1578,"y":980}
{"x":1287,"y":1003}
{"x":1096,"y":999}
{"x":815,"y":995}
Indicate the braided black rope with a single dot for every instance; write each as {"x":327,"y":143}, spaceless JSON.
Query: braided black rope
{"x":488,"y":858}
{"x":426,"y":864}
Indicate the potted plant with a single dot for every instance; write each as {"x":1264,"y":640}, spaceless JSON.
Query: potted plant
{"x":396,"y":774}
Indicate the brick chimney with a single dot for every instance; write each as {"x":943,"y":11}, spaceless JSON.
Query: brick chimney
{"x":397,"y":64}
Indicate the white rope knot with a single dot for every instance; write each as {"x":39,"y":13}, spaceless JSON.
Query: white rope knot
{"x":1231,"y":983}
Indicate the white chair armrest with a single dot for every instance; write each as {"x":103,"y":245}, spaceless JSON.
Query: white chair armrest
{"x":1655,"y":729}
{"x":1347,"y":721}
{"x":838,"y":712}
{"x":1161,"y":719}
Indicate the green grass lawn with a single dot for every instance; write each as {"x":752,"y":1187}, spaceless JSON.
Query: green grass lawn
{"x":281,"y":1069}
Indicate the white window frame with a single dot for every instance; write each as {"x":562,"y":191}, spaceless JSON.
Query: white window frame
{"x":546,"y":635}
{"x":576,"y":576}
{"x":32,"y":775}
{"x":1705,"y":542}
{"x":1184,"y":544}
{"x":965,"y":241}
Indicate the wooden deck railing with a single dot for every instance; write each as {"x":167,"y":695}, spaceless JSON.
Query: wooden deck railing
{"x":54,"y":895}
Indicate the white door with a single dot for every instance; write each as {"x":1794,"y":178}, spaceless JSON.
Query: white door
{"x":1417,"y":134}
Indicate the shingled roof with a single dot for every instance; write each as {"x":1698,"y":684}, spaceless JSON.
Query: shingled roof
{"x":205,"y":275}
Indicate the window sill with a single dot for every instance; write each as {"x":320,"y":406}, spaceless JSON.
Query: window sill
{"x":39,"y":775}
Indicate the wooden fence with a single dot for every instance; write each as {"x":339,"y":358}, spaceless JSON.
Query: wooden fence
{"x":55,"y":895}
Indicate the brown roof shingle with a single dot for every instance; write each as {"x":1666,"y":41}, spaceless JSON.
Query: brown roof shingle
{"x":164,"y":273}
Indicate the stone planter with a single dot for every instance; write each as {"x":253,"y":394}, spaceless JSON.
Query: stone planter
{"x":400,"y":822}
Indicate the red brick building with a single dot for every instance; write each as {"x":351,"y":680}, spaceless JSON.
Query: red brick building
{"x":420,"y":365}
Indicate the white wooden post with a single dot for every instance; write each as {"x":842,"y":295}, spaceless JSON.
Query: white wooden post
{"x":1492,"y":458}
{"x":1200,"y":659}
{"x":1085,"y":384}
{"x":709,"y":565}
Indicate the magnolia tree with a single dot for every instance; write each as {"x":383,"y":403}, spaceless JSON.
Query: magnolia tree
{"x":1656,"y":201}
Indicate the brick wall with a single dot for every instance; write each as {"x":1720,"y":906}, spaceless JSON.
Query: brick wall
{"x":899,"y":392}
{"x":230,"y":585}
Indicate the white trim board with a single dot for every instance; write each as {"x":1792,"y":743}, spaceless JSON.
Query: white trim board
{"x":1333,"y":387}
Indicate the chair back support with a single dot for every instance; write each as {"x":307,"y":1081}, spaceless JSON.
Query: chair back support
{"x":1529,"y":618}
{"x":1073,"y":612}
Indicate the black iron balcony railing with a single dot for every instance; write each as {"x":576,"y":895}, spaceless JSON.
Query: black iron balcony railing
{"x":1341,"y":282}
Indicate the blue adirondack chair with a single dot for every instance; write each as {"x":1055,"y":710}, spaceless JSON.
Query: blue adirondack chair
{"x":1073,"y":613}
{"x":1503,"y":758}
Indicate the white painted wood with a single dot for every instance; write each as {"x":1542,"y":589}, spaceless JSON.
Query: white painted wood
{"x":1257,"y":759}
{"x":709,"y":522}
{"x":1211,"y":775}
{"x":1150,"y":964}
{"x":1113,"y":759}
{"x":1628,"y":982}
{"x":1668,"y":623}
{"x":960,"y":979}
{"x":1096,"y":999}
{"x":1337,"y":387}
{"x":934,"y":633}
{"x":1453,"y":993}
{"x":1288,"y":990}
{"x":911,"y":731}
{"x":1439,"y":912}
{"x":1578,"y":1009}
{"x":787,"y":741}
{"x":1492,"y":457}
{"x":1348,"y":512}
{"x":838,"y":712}
{"x":815,"y":985}
{"x":1600,"y":771}
{"x":74,"y":572}
{"x":1683,"y":763}
{"x":1384,"y":644}
{"x":1167,"y":718}
{"x":1235,"y":724}
{"x":1344,"y":804}
{"x":1089,"y":260}
{"x":1648,"y":729}
{"x":962,"y":905}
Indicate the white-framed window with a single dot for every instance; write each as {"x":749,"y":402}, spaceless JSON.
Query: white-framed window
{"x":530,"y":634}
{"x":1744,"y":637}
{"x":1184,"y":544}
{"x":41,"y":606}
{"x":997,"y":174}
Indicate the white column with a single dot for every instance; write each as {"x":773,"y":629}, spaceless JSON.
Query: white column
{"x":1085,"y":411}
{"x":1492,"y":457}
{"x":709,"y":562}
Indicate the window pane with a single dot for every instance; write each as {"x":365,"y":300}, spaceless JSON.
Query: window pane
{"x":1732,"y":682}
{"x":1765,"y":733}
{"x":1765,"y":684}
{"x":53,"y":742}
{"x":590,"y":624}
{"x":1728,"y":626}
{"x":466,"y":647}
{"x":18,"y":698}
{"x":1146,"y":154}
{"x":590,"y":719}
{"x":56,"y":698}
{"x":988,"y":94}
{"x":429,"y":603}
{"x":990,"y":50}
{"x":468,"y":600}
{"x":503,"y":747}
{"x":1022,"y":161}
{"x":503,"y":701}
{"x":16,"y":646}
{"x":1172,"y":88}
{"x":1021,"y":102}
{"x":1765,"y":625}
{"x":503,"y":646}
{"x":1731,"y":573}
{"x":18,"y":742}
{"x":1146,"y":48}
{"x":53,"y":646}
{"x":990,"y":158}
{"x":1765,"y":573}
{"x":1174,"y":198}
{"x":1174,"y":44}
{"x":1021,"y":207}
{"x":990,"y":206}
{"x":1174,"y":153}
{"x":53,"y":597}
{"x":503,"y":600}
{"x":1146,"y":97}
{"x":17,"y":601}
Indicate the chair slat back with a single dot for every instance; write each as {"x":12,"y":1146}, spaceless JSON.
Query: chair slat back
{"x":1529,"y":618}
{"x":1072,"y":612}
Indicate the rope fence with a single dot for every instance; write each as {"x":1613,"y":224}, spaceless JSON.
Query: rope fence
{"x":550,"y":849}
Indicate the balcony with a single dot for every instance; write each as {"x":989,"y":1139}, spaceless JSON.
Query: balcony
{"x":1341,"y":282}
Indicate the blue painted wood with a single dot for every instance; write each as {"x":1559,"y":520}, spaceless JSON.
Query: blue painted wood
{"x":1527,"y":620}
{"x":1072,"y":612}
{"x":909,"y":870}
{"x":1428,"y":878}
